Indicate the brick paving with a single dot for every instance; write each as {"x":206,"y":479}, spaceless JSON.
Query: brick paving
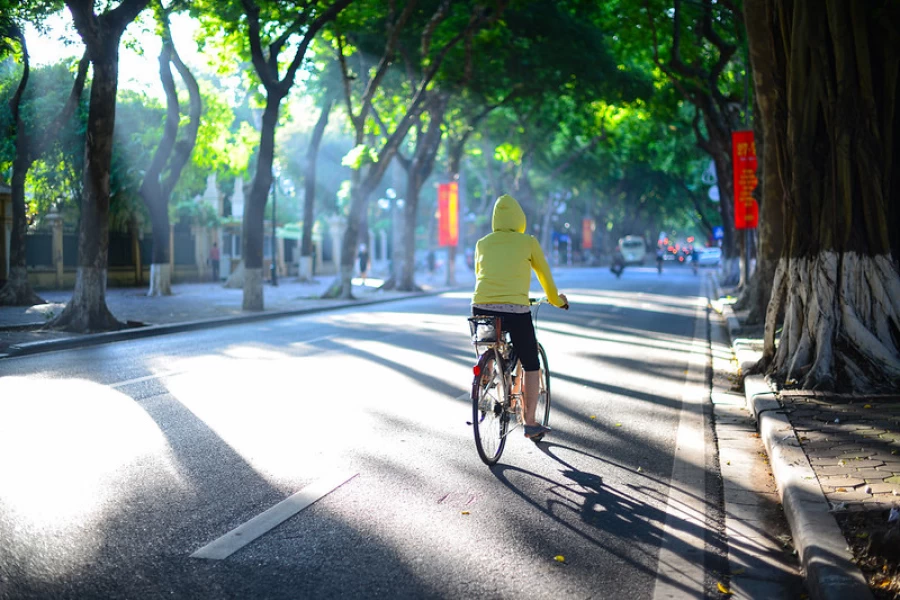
{"x":853,"y":445}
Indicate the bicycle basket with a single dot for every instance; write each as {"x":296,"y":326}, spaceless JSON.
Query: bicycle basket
{"x":485,"y":329}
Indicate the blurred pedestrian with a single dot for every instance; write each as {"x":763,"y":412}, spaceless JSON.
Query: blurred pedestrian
{"x":214,"y":260}
{"x":363,"y":257}
{"x":618,"y":263}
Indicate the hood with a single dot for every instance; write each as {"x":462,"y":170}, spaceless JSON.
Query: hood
{"x":508,"y":215}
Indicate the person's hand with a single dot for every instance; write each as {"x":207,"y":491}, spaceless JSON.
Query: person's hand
{"x":565,"y":300}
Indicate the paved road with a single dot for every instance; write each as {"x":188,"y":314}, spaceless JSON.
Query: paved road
{"x":120,"y":462}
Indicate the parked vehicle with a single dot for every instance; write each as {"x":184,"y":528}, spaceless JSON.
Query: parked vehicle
{"x":633,"y":249}
{"x":710,"y":256}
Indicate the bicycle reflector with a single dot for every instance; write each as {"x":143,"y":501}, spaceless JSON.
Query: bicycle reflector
{"x":477,"y":370}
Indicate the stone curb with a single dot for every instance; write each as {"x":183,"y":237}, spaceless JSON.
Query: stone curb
{"x":94,"y":339}
{"x":828,"y":567}
{"x":745,"y":355}
{"x":824,"y":555}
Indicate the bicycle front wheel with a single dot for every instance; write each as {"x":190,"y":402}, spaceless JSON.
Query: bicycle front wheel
{"x":542,"y":414}
{"x":490,"y":420}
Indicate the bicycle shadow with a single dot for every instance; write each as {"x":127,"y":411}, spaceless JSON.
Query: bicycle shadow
{"x":585,"y":505}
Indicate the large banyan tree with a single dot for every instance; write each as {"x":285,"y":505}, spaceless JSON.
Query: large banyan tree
{"x":836,"y":133}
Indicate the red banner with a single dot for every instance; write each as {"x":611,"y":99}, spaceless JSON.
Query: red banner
{"x":743,"y":160}
{"x":587,"y":233}
{"x":448,"y":212}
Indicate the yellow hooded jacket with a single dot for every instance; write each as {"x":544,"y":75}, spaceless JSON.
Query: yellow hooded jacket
{"x":505,"y":258}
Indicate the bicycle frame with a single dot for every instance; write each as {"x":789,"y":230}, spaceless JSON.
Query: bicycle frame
{"x":506,"y":353}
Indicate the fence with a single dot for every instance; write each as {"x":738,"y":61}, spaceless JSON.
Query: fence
{"x":39,"y":249}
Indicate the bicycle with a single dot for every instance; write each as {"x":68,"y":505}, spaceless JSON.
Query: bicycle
{"x":497,"y":386}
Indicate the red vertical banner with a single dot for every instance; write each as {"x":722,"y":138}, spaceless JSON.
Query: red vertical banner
{"x":587,"y":233}
{"x":743,"y":161}
{"x":448,"y":211}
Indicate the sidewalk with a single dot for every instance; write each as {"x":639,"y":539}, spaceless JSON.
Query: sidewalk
{"x":191,"y":306}
{"x":836,"y":462}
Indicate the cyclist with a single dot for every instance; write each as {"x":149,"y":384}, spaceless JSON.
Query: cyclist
{"x":504,"y":260}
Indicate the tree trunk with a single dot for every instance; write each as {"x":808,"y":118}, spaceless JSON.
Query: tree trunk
{"x":255,"y":208}
{"x":135,"y":231}
{"x":17,"y":289}
{"x":418,"y":171}
{"x":771,"y":222}
{"x":405,"y":256}
{"x":309,"y":189}
{"x":87,"y":310}
{"x":156,"y":191}
{"x":835,"y":138}
{"x":361,"y":189}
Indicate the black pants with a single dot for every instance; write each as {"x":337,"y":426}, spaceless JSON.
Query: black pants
{"x":521,"y":333}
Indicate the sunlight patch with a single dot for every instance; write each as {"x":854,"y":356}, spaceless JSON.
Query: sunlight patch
{"x":71,"y":452}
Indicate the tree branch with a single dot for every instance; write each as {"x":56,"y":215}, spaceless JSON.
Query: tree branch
{"x":439,"y":15}
{"x":256,"y":51}
{"x":703,"y":143}
{"x":185,"y":147}
{"x":329,"y":14}
{"x":170,"y":128}
{"x":656,"y":60}
{"x":699,"y":207}
{"x":126,"y":12}
{"x":345,"y":78}
{"x":68,"y":110}
{"x":15,"y":102}
{"x":394,"y":29}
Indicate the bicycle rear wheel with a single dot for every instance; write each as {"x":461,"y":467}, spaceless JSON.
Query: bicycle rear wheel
{"x":542,"y":413}
{"x":490,"y":420}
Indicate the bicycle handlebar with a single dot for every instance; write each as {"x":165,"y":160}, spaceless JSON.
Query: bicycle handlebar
{"x":544,"y":300}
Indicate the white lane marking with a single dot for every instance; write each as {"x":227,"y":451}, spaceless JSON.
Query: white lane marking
{"x":680,"y":570}
{"x":240,"y":536}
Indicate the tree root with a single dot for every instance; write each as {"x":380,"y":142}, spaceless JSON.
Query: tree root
{"x":17,"y":291}
{"x":87,"y":311}
{"x":841,"y":325}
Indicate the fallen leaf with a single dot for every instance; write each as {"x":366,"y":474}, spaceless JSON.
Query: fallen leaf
{"x":593,"y":416}
{"x":722,"y":589}
{"x":618,"y":424}
{"x":465,"y":512}
{"x":862,"y":535}
{"x":640,"y":470}
{"x":867,"y":406}
{"x":559,"y":558}
{"x":842,"y":489}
